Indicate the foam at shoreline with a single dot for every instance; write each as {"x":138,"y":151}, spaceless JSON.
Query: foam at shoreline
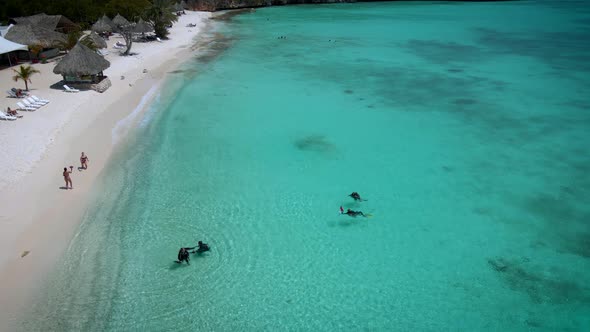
{"x":125,"y":124}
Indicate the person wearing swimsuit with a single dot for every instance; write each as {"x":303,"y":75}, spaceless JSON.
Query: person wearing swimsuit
{"x":67,"y":178}
{"x":352,"y":213}
{"x":84,"y":161}
{"x":183,"y":255}
{"x":356,"y":197}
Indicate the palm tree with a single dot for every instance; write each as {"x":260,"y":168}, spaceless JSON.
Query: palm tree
{"x":88,"y":42}
{"x":24,"y":73}
{"x":71,"y":41}
{"x":161,"y":15}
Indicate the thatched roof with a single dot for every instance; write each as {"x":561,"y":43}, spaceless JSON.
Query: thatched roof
{"x":108,"y":20}
{"x":34,"y":35}
{"x":142,"y":27}
{"x":97,"y":40}
{"x":120,"y":21}
{"x":81,"y":61}
{"x":104,"y":24}
{"x":50,"y":22}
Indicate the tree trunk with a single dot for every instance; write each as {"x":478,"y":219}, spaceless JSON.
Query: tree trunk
{"x":128,"y":47}
{"x":26,"y":86}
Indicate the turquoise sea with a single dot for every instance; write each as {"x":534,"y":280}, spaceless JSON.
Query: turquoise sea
{"x":466,"y":126}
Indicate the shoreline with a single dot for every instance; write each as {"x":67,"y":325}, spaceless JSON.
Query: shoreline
{"x":36,"y":215}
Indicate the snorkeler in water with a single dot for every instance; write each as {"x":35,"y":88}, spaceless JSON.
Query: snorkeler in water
{"x":356,"y":197}
{"x":202,"y":248}
{"x":352,"y":213}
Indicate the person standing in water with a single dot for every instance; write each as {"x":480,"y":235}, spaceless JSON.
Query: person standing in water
{"x":84,"y":161}
{"x":67,"y":177}
{"x":183,"y":255}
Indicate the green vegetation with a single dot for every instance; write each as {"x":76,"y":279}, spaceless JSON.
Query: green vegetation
{"x":160,"y":14}
{"x":86,"y":12}
{"x":24,"y":73}
{"x":71,"y":41}
{"x":88,"y":42}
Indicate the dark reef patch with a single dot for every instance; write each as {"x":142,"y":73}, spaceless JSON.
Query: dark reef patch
{"x":563,"y":221}
{"x":550,"y":209}
{"x":315,"y":143}
{"x":580,"y":105}
{"x":211,"y":47}
{"x":447,"y":169}
{"x":230,"y":14}
{"x":464,"y":102}
{"x":444,"y":52}
{"x":539,"y":285}
{"x":545,"y":46}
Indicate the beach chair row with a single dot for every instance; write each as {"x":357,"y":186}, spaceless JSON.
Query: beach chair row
{"x":30,"y":104}
{"x":18,"y":93}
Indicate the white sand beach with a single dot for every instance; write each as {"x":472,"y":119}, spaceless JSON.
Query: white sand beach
{"x":35,"y":214}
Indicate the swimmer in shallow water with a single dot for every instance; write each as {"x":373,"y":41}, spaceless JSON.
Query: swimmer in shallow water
{"x":356,"y":197}
{"x":183,"y":255}
{"x":352,"y":213}
{"x":202,"y":248}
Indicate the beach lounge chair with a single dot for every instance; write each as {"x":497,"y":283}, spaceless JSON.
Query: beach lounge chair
{"x":32,"y":102}
{"x":41,"y":100}
{"x":102,"y":52}
{"x":35,"y":101}
{"x":68,"y":89}
{"x":8,"y":115}
{"x":27,"y":103}
{"x":4,"y":116}
{"x":13,"y":94}
{"x":22,"y":92}
{"x":21,"y":106}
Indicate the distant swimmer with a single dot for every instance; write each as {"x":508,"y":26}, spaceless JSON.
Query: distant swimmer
{"x":352,"y":213}
{"x":183,"y":255}
{"x":356,"y":197}
{"x":202,"y":248}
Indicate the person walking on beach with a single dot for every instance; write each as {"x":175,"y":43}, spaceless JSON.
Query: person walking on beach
{"x":67,"y":177}
{"x":84,"y":161}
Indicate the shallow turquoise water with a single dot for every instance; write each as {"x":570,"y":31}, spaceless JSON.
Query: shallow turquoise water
{"x":464,"y":125}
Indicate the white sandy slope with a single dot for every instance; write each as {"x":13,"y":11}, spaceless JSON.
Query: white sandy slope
{"x":37,"y":216}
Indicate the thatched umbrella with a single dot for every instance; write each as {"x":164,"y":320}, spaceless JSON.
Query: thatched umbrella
{"x":120,"y":21}
{"x":142,"y":27}
{"x":178,"y":7}
{"x":97,"y":40}
{"x":81,"y":61}
{"x":104,"y":24}
{"x":33,"y":35}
